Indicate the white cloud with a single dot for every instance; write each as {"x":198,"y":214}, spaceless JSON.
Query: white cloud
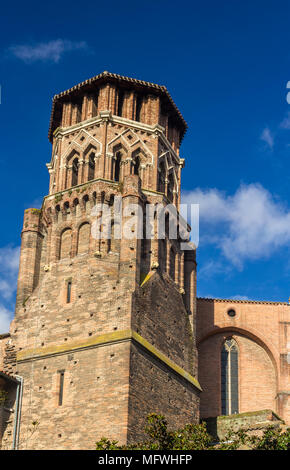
{"x":285,"y":124}
{"x":268,"y":138}
{"x":50,"y":51}
{"x":251,"y":224}
{"x":5,"y":319}
{"x":9,"y":261}
{"x":239,"y":297}
{"x":211,"y":268}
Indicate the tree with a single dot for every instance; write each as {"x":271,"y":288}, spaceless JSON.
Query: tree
{"x":196,"y":437}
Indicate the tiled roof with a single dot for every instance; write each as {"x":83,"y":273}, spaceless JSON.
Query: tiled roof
{"x":113,"y":76}
{"x":206,"y":299}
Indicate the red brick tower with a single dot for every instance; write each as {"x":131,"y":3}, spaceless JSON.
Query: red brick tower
{"x":104,"y":330}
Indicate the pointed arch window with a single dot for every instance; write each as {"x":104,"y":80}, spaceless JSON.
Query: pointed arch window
{"x":230,"y":377}
{"x":137,"y":166}
{"x":92,"y":166}
{"x":117,"y":166}
{"x":75,"y":172}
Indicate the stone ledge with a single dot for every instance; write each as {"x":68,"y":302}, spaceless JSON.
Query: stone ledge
{"x":107,"y":338}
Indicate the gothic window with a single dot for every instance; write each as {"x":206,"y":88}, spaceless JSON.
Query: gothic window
{"x":91,"y":175}
{"x":137,"y":166}
{"x":65,"y":244}
{"x":117,"y":166}
{"x":229,"y":377}
{"x":75,"y":172}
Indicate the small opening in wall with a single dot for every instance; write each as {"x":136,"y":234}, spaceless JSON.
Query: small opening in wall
{"x":231,"y":312}
{"x":60,"y":390}
{"x":68,"y":292}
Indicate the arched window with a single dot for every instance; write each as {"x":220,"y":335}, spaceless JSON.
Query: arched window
{"x":117,"y":166}
{"x":229,"y":377}
{"x":137,"y":166}
{"x":65,"y":244}
{"x":92,"y":165}
{"x":58,"y":213}
{"x":84,"y":238}
{"x":75,"y":172}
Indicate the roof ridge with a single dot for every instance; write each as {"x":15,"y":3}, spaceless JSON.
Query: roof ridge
{"x":160,"y":88}
{"x":111,"y":75}
{"x":214,"y":299}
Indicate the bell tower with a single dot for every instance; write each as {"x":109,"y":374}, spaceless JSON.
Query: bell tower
{"x":104,"y":329}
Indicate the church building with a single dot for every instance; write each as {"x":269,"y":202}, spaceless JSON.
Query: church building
{"x":109,"y":329}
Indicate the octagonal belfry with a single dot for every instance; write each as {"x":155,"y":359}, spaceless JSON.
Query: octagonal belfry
{"x":104,"y":329}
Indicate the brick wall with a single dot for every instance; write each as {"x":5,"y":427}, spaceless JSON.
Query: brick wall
{"x":260,"y":330}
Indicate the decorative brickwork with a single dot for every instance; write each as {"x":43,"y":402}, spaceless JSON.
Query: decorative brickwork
{"x":104,"y":329}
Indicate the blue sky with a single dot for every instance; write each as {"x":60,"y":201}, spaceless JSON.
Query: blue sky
{"x":225,"y":63}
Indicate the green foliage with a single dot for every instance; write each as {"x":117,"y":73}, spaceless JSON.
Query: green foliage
{"x":36,"y":211}
{"x":191,"y":437}
{"x":58,"y":198}
{"x":196,"y":437}
{"x":105,"y":444}
{"x":272,"y":439}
